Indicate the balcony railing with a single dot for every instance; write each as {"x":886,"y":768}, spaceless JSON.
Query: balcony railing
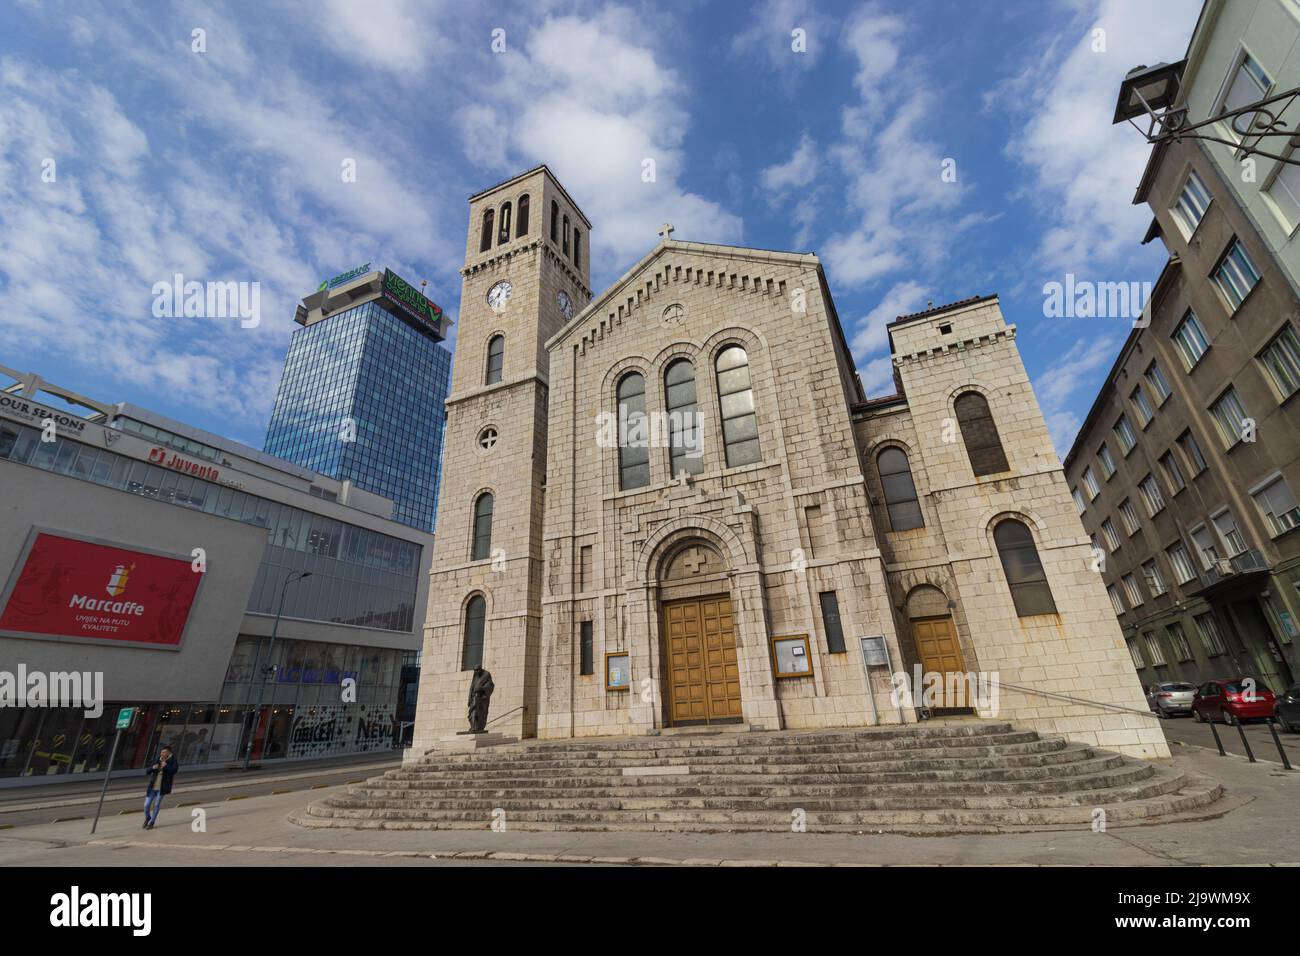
{"x":1244,"y":563}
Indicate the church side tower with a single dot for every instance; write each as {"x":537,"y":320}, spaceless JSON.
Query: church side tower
{"x":526,"y":273}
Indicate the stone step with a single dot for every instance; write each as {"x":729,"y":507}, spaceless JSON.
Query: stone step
{"x":1194,"y":794}
{"x":851,"y":783}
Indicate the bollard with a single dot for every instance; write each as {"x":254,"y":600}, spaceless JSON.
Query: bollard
{"x":1272,"y":729}
{"x":1244,"y":742}
{"x":1217,"y":742}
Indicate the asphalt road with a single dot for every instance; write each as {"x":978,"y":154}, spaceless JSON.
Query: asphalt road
{"x":1185,"y":730}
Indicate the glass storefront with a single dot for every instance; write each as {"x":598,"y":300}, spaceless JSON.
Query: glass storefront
{"x":304,"y":713}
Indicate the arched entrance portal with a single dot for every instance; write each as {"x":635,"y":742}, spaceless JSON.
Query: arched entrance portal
{"x":934,"y":635}
{"x":701,"y":676}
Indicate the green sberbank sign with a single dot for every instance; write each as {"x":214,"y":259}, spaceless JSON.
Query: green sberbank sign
{"x":412,"y":303}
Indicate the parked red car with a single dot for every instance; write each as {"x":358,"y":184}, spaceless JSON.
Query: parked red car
{"x":1231,"y":699}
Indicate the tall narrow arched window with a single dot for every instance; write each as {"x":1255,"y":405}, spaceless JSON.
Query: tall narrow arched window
{"x":983,"y":446}
{"x":555,"y":221}
{"x":633,"y":433}
{"x":565,"y":245}
{"x":686,"y":450}
{"x":482,"y":548}
{"x":577,"y":247}
{"x":471,"y":654}
{"x":1025,"y":574}
{"x":736,"y":397}
{"x":521,"y":226}
{"x":496,"y":357}
{"x":485,"y":241}
{"x":900,"y":491}
{"x":503,"y":233}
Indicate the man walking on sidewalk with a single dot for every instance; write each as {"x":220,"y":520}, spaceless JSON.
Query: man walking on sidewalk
{"x":160,"y":774}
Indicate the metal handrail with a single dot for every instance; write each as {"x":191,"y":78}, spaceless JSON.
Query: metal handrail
{"x":523,"y":707}
{"x":1076,"y":700}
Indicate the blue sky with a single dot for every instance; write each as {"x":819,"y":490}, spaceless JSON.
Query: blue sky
{"x":225,"y":164}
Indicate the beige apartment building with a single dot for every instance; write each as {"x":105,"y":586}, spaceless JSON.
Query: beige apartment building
{"x":670,"y":504}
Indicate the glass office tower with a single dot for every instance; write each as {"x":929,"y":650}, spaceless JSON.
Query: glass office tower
{"x":362,"y":398}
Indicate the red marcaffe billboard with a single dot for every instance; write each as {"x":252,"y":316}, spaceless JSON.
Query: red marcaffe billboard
{"x":80,"y":589}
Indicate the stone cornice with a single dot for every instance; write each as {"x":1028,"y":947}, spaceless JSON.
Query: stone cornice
{"x":961,"y":345}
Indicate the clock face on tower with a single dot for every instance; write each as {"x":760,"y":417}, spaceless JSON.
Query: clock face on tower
{"x":565,"y":304}
{"x":499,"y":295}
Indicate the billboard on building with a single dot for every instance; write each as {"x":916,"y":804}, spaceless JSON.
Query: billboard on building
{"x":66,"y":587}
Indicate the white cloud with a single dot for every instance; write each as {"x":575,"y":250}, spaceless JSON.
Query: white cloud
{"x":1059,"y":384}
{"x":1084,"y":169}
{"x":796,"y":172}
{"x":869,"y":334}
{"x":397,"y":36}
{"x":770,"y":34}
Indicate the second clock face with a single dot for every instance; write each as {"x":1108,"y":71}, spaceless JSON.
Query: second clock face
{"x":565,"y":304}
{"x":499,"y":295}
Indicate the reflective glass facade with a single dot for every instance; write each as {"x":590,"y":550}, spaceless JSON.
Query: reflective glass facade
{"x":359,"y":576}
{"x":365,"y":370}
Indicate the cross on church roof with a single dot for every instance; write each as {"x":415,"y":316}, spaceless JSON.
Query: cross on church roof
{"x":667,"y":231}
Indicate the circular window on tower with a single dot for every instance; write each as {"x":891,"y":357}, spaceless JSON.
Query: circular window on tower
{"x":487,"y":439}
{"x":674,"y":315}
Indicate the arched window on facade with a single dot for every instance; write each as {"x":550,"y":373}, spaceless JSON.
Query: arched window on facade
{"x":633,"y":433}
{"x":485,"y":241}
{"x":496,"y":356}
{"x":521,"y":227}
{"x":555,"y":221}
{"x":686,"y":453}
{"x":736,"y":397}
{"x":503,"y":233}
{"x":482,"y":548}
{"x":577,"y":247}
{"x":978,"y":431}
{"x":565,"y":245}
{"x":471,"y":655}
{"x":1025,"y":575}
{"x":900,"y":491}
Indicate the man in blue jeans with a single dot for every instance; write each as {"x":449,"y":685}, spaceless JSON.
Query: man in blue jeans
{"x":160,"y":774}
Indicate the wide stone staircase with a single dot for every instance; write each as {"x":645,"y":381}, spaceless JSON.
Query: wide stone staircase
{"x":943,"y":776}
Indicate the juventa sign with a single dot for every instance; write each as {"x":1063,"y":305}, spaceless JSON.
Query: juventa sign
{"x":158,"y":456}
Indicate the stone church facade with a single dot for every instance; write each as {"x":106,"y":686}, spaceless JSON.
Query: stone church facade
{"x":672,"y":504}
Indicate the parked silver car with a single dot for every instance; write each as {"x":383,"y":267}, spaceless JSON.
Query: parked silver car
{"x":1171,"y":698}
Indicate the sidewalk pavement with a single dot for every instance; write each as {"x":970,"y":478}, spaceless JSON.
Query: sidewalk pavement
{"x":1256,"y":826}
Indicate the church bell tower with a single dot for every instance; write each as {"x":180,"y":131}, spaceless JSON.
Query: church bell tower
{"x":526,"y":274}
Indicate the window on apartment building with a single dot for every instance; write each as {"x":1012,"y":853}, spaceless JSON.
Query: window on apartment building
{"x":1124,"y":435}
{"x":1226,"y":525}
{"x":1181,"y":562}
{"x":1230,"y":415}
{"x":1080,"y":505}
{"x":1107,"y":462}
{"x":1189,"y":209}
{"x":1151,"y":496}
{"x":900,"y":492}
{"x":1135,"y":653}
{"x":1235,"y":275}
{"x":1173,"y":474}
{"x":1141,"y":406}
{"x":586,"y":651}
{"x":1211,"y":639}
{"x":1284,"y":191}
{"x":1116,"y":601}
{"x":1112,"y":538}
{"x":1155,"y":580}
{"x":1178,"y":641}
{"x":1247,"y":83}
{"x":1128,"y":514}
{"x":1281,"y":359}
{"x":1192,"y":452}
{"x":1132,"y":590}
{"x":1207,"y":546}
{"x":1024,"y":571}
{"x":1154,"y":650}
{"x":980,"y":433}
{"x":1190,"y":340}
{"x":831,"y":620}
{"x":1156,"y":380}
{"x":1278,"y":506}
{"x":1090,"y":483}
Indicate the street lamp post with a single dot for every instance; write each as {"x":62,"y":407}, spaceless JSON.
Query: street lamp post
{"x":289,"y":578}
